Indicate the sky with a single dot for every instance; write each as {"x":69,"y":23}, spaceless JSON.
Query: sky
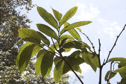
{"x":108,"y":18}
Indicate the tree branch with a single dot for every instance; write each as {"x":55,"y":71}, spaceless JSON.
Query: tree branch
{"x":72,"y":69}
{"x":89,"y":41}
{"x":114,"y":45}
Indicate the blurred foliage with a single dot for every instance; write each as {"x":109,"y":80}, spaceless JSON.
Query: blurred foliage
{"x":10,"y":21}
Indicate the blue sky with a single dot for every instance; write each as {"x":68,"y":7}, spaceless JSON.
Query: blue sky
{"x":108,"y":18}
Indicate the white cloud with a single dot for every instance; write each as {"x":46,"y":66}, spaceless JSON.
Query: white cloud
{"x":110,"y":28}
{"x":87,"y":13}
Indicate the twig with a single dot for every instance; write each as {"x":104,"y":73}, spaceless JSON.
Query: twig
{"x":54,"y":45}
{"x":100,"y":73}
{"x":89,"y":41}
{"x":114,"y":45}
{"x":72,"y":69}
{"x":109,"y":73}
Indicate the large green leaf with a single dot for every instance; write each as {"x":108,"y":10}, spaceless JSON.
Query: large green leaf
{"x":25,"y":53}
{"x":121,"y":70}
{"x":68,"y":15}
{"x":74,"y":25}
{"x":39,"y":61}
{"x":57,"y":14}
{"x":93,"y":62}
{"x":29,"y":35}
{"x":73,"y":32}
{"x":66,"y":36}
{"x":47,"y":17}
{"x":118,"y":59}
{"x":47,"y":30}
{"x":46,"y":64}
{"x":74,"y":61}
{"x":123,"y":81}
{"x":58,"y":70}
{"x":43,"y":38}
{"x":111,"y":76}
{"x":74,"y":44}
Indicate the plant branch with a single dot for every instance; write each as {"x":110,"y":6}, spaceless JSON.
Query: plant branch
{"x":114,"y":45}
{"x":89,"y":41}
{"x":72,"y":69}
{"x":109,"y":73}
{"x":100,"y":73}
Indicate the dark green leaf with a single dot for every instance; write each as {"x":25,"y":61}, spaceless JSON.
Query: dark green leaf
{"x":68,"y":15}
{"x":57,"y":14}
{"x":111,"y":76}
{"x":74,"y":25}
{"x":25,"y":53}
{"x":123,"y":81}
{"x":66,"y":36}
{"x":39,"y":61}
{"x":29,"y":35}
{"x":47,"y":30}
{"x":47,"y":17}
{"x":58,"y":70}
{"x":46,"y":64}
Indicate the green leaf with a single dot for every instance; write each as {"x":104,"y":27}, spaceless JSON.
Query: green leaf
{"x":117,"y":59}
{"x":43,"y":38}
{"x":68,"y":15}
{"x":57,"y":14}
{"x":121,"y":70}
{"x":25,"y":53}
{"x":74,"y":44}
{"x":66,"y":36}
{"x":47,"y":30}
{"x":58,"y":70}
{"x":123,"y":75}
{"x":47,"y":17}
{"x":111,"y":76}
{"x":46,"y":64}
{"x":39,"y":61}
{"x":93,"y":62}
{"x":74,"y":25}
{"x":74,"y":61}
{"x":123,"y":81}
{"x":29,"y":35}
{"x":73,"y":32}
{"x":77,"y":68}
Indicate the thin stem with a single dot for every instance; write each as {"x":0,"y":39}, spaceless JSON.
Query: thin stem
{"x":100,"y":72}
{"x":114,"y":45}
{"x":109,"y":73}
{"x":72,"y":69}
{"x":89,"y":41}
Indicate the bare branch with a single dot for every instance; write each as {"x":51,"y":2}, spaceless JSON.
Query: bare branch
{"x":114,"y":44}
{"x":109,"y":73}
{"x":89,"y":41}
